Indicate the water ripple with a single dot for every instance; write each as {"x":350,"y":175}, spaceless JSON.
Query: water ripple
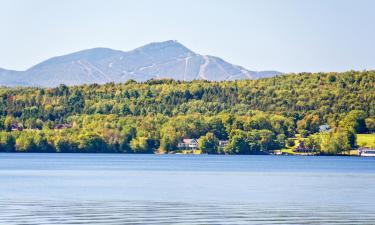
{"x":144,"y":212}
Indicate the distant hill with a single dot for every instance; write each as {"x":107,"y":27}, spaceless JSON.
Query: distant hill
{"x":168,"y":59}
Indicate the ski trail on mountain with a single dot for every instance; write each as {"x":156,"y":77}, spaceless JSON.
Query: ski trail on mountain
{"x":202,"y":67}
{"x":88,"y":69}
{"x":100,"y":71}
{"x":146,"y":67}
{"x":186,"y":64}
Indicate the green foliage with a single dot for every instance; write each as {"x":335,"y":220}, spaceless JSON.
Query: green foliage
{"x":341,"y":140}
{"x":309,"y":125}
{"x":238,"y":143}
{"x":355,"y":120}
{"x":208,"y":143}
{"x":252,"y":142}
{"x":8,"y":123}
{"x":7,"y":142}
{"x":337,"y":142}
{"x":370,"y":124}
{"x":256,"y":116}
{"x":141,"y":145}
{"x":92,"y":143}
{"x":313,"y":143}
{"x":67,"y":146}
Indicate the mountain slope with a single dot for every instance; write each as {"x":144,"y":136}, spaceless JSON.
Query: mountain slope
{"x":168,"y":59}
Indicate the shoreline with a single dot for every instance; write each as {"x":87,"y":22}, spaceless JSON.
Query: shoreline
{"x":205,"y":154}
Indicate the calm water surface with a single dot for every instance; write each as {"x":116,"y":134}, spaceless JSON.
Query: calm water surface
{"x":185,"y":189}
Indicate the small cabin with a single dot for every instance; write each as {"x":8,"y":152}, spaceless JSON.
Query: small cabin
{"x":188,"y":144}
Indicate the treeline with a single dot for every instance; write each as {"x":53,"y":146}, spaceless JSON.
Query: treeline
{"x":256,"y":116}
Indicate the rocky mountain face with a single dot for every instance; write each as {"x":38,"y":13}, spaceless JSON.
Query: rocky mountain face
{"x":168,"y":59}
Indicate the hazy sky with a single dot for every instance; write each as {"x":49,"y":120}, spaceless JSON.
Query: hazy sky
{"x":284,"y":35}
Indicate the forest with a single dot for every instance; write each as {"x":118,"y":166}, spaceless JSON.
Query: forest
{"x":254,"y":116}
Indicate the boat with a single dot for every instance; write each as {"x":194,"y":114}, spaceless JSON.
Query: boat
{"x":367,"y":152}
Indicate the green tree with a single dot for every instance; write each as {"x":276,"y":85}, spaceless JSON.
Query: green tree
{"x":313,"y":143}
{"x":8,"y":123}
{"x":208,"y":143}
{"x":238,"y":143}
{"x":140,"y":145}
{"x":92,"y":143}
{"x":66,"y":146}
{"x":217,"y":127}
{"x":308,"y":125}
{"x":355,"y":120}
{"x":370,"y":124}
{"x":7,"y":142}
{"x":25,"y":142}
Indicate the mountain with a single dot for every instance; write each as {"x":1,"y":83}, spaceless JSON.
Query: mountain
{"x":168,"y":59}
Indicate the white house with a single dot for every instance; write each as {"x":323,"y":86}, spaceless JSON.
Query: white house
{"x":188,"y":144}
{"x":324,"y":128}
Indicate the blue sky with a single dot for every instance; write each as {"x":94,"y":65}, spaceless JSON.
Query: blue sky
{"x":284,"y":35}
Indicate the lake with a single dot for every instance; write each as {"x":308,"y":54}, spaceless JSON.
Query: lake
{"x":185,"y":189}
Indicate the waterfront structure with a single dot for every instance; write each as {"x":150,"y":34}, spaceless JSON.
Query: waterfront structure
{"x":188,"y":144}
{"x":366,"y":152}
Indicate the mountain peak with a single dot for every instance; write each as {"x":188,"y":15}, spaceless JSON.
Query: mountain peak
{"x":165,"y":43}
{"x":171,"y":45}
{"x":167,"y":59}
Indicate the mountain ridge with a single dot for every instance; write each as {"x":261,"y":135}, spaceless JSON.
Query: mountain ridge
{"x":168,"y":59}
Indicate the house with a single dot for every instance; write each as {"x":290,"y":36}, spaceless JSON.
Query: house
{"x":324,"y":128}
{"x":223,"y":144}
{"x":188,"y":144}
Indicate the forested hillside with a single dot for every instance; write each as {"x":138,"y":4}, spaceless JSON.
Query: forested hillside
{"x":256,"y":116}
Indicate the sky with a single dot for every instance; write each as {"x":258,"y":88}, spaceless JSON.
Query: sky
{"x":283,"y":35}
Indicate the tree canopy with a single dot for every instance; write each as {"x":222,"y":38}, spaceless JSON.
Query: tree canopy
{"x":256,"y":116}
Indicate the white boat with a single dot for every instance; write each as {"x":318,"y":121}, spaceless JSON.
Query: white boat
{"x":367,"y":152}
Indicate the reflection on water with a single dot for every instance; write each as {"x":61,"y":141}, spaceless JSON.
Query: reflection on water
{"x":101,"y":212}
{"x":149,"y":189}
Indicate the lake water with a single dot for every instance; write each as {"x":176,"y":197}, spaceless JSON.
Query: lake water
{"x":185,"y":189}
